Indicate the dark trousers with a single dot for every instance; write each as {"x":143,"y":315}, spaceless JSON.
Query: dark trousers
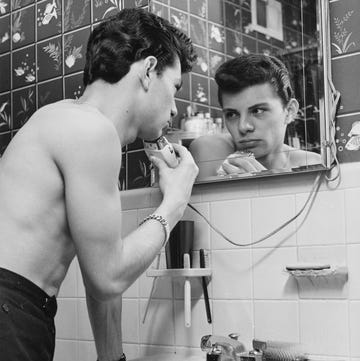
{"x":27,"y":330}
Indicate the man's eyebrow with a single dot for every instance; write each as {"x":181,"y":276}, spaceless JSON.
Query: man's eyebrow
{"x":264,"y":104}
{"x":230,"y":110}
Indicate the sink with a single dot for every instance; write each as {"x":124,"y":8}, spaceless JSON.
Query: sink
{"x":170,"y":357}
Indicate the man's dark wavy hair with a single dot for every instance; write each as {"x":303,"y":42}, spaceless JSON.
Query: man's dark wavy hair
{"x":131,"y":35}
{"x":243,"y":71}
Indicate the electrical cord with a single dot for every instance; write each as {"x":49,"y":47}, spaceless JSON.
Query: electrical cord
{"x":311,"y":196}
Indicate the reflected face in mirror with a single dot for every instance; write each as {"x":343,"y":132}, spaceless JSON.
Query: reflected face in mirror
{"x":256,"y":119}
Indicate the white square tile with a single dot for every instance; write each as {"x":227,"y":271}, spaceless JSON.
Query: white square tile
{"x":352,"y":211}
{"x":270,"y":279}
{"x":234,"y":317}
{"x":231,"y":274}
{"x":130,"y":320}
{"x":158,"y":328}
{"x":131,"y":350}
{"x":324,"y":327}
{"x":69,"y":286}
{"x":354,"y":317}
{"x":190,"y":336}
{"x":233,"y":219}
{"x":353,"y":257}
{"x":277,"y":321}
{"x":268,"y":214}
{"x":325,"y":224}
{"x":84,"y":326}
{"x":65,"y":317}
{"x":133,"y":290}
{"x":66,"y":350}
{"x":87,"y":351}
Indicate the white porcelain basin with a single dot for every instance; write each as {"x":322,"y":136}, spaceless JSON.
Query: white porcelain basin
{"x":170,"y":357}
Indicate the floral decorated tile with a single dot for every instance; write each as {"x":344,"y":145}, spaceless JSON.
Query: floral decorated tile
{"x":198,"y":31}
{"x":76,"y":14}
{"x":102,"y":9}
{"x":24,"y":105}
{"x":180,"y":20}
{"x":49,"y":59}
{"x":75,"y":50}
{"x":234,"y":44}
{"x":4,"y":7}
{"x":5,"y":73}
{"x":74,"y":86}
{"x":200,"y":89}
{"x":202,"y":61}
{"x":347,"y":139}
{"x":198,"y":7}
{"x":50,"y":92}
{"x":5,"y":112}
{"x":215,"y":60}
{"x":24,"y":68}
{"x":23,"y":27}
{"x":138,"y":170}
{"x":17,"y":4}
{"x":4,"y":142}
{"x":216,"y":37}
{"x":4,"y":34}
{"x":48,"y":19}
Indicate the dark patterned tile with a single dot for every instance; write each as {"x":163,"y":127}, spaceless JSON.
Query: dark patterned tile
{"x":4,"y":7}
{"x":214,"y":94}
{"x":216,"y":37}
{"x":346,"y":140}
{"x":135,"y":3}
{"x":102,"y":9}
{"x":50,"y":92}
{"x":5,"y":112}
{"x":292,"y":17}
{"x":202,"y":61}
{"x":76,"y":14}
{"x":180,"y":20}
{"x":48,"y":19}
{"x":198,"y":8}
{"x":74,"y":86}
{"x":4,"y":142}
{"x":234,"y":45}
{"x":199,"y":89}
{"x":344,"y":27}
{"x":216,"y":12}
{"x":5,"y":73}
{"x":17,"y":4}
{"x":249,"y":45}
{"x":184,"y":92}
{"x":232,"y":17}
{"x":75,"y":50}
{"x":198,"y":31}
{"x":49,"y":59}
{"x":24,"y":68}
{"x":4,"y":34}
{"x":122,"y":174}
{"x":138,"y":170}
{"x":180,"y":4}
{"x":136,"y":145}
{"x":215,"y":60}
{"x":23,"y":106}
{"x":23,"y":27}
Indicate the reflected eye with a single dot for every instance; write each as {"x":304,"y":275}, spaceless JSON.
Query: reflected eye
{"x":258,"y":111}
{"x":231,"y":115}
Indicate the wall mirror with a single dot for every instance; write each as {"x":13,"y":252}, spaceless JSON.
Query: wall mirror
{"x":294,"y":31}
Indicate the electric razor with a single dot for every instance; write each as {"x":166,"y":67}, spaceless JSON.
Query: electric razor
{"x":161,"y":148}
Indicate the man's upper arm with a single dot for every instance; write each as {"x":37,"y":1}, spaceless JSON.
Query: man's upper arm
{"x":90,"y":163}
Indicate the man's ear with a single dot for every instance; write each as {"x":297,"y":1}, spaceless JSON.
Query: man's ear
{"x":147,"y":70}
{"x":292,"y":109}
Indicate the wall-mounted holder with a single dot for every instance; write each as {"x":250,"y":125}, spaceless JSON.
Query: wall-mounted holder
{"x":186,"y":273}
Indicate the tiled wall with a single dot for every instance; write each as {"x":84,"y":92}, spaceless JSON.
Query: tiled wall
{"x":250,"y":293}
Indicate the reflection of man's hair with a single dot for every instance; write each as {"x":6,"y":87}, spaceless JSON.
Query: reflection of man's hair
{"x":243,"y":71}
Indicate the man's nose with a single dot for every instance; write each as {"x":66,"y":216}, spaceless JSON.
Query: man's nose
{"x":245,"y":125}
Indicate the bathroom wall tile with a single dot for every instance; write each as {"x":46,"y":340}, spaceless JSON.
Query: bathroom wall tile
{"x":48,"y":19}
{"x":215,"y":60}
{"x":332,"y":287}
{"x":186,"y":336}
{"x":155,"y":331}
{"x":232,"y":16}
{"x":86,"y":350}
{"x":270,"y":279}
{"x":195,"y":285}
{"x":277,"y":321}
{"x":236,"y":225}
{"x":180,"y":20}
{"x":216,"y":37}
{"x":66,"y":319}
{"x":83,"y":322}
{"x":23,"y":106}
{"x":5,"y":73}
{"x":202,"y":61}
{"x":131,"y":350}
{"x":249,"y":44}
{"x":17,"y":4}
{"x":5,"y":7}
{"x":5,"y":112}
{"x":214,"y":93}
{"x":198,"y":8}
{"x":160,"y":10}
{"x":216,"y":12}
{"x":74,"y":86}
{"x":354,"y":316}
{"x":234,"y":44}
{"x":50,"y":92}
{"x":232,"y":267}
{"x":184,"y":92}
{"x":200,"y":89}
{"x":135,"y":4}
{"x":261,"y":210}
{"x":344,"y":27}
{"x":49,"y":59}
{"x":347,"y":150}
{"x":324,"y":327}
{"x":24,"y":69}
{"x":76,"y":14}
{"x":353,"y":264}
{"x":352,"y":209}
{"x":180,"y":4}
{"x":23,"y":27}
{"x":66,"y":350}
{"x":234,"y":317}
{"x":4,"y":141}
{"x":4,"y":34}
{"x":79,"y":280}
{"x":130,"y":320}
{"x":103,"y":9}
{"x":347,"y":84}
{"x":69,"y":285}
{"x":198,"y":31}
{"x":132,"y":291}
{"x":138,"y":171}
{"x":75,"y":50}
{"x":318,"y":229}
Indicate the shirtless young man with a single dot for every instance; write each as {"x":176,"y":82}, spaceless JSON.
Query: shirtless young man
{"x":59,"y":195}
{"x":258,"y":103}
